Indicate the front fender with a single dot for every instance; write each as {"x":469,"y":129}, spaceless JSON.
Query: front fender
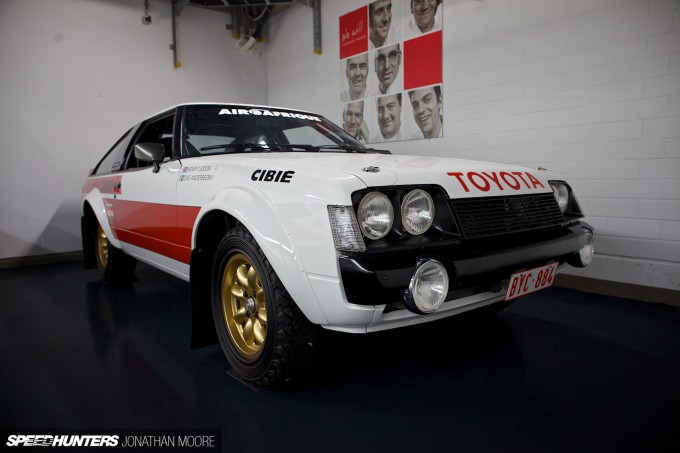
{"x":258,"y":214}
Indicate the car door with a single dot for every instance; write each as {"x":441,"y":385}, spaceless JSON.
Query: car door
{"x":145,"y":202}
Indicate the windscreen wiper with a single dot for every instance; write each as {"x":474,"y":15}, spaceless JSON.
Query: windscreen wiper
{"x":350,"y":149}
{"x":239,"y":147}
{"x":306,"y":147}
{"x":378,"y":151}
{"x":244,"y":147}
{"x":340,"y":146}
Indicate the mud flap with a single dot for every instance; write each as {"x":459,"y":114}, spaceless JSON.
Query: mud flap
{"x":202,"y":324}
{"x":87,"y":232}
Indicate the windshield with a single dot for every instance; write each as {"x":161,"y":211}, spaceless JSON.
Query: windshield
{"x":223,"y":129}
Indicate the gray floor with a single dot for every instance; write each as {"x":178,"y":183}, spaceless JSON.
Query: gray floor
{"x":560,"y":370}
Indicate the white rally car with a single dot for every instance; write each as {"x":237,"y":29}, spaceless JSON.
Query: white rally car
{"x":281,"y":222}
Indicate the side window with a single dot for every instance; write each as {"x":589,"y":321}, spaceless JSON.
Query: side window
{"x":113,"y":161}
{"x":157,"y":131}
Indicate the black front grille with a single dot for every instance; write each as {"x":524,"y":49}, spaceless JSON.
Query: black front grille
{"x":491,"y":216}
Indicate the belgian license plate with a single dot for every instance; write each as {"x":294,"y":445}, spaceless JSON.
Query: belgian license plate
{"x":530,"y":281}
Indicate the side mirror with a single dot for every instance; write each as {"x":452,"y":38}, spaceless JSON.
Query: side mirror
{"x":150,"y":152}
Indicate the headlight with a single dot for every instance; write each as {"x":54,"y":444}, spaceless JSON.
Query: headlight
{"x":561,"y":195}
{"x":375,"y":215}
{"x":417,"y":211}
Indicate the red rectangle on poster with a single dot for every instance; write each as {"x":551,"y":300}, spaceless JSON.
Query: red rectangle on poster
{"x":423,"y":61}
{"x":354,"y":32}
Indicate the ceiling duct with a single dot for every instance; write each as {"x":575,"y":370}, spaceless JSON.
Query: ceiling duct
{"x":248,"y":19}
{"x":239,"y":3}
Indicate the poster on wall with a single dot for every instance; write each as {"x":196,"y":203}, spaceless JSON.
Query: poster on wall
{"x":391,"y":70}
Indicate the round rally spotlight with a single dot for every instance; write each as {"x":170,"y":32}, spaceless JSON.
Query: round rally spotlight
{"x":417,"y":211}
{"x":428,"y":288}
{"x":375,"y":215}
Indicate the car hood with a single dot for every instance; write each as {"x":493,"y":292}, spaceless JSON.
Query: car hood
{"x":460,"y":178}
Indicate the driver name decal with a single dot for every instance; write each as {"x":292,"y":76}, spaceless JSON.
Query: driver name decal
{"x":266,"y":112}
{"x":198,"y":173}
{"x":485,"y":181}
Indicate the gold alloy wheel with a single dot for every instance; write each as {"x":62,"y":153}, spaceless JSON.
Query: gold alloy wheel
{"x":102,"y":246}
{"x":244,"y":308}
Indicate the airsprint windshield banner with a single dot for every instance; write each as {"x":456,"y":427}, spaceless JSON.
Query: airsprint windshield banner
{"x":391,"y":68}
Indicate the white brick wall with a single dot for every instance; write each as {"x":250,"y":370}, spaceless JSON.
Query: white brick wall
{"x":586,"y":87}
{"x":590,"y":88}
{"x":74,"y":76}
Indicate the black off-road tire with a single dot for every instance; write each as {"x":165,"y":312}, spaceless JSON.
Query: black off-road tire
{"x":113,"y":263}
{"x":283,"y":342}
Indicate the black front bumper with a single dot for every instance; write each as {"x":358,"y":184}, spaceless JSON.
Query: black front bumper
{"x":475,"y":266}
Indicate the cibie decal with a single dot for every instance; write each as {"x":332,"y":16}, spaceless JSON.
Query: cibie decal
{"x":198,"y":173}
{"x":272,"y":175}
{"x":485,"y":181}
{"x":266,"y":112}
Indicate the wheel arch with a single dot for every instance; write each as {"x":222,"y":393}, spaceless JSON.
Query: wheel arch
{"x":96,"y":203}
{"x":117,"y":267}
{"x":94,"y":213}
{"x":251,"y":209}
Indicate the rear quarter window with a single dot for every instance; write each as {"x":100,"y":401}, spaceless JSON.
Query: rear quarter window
{"x":113,"y":161}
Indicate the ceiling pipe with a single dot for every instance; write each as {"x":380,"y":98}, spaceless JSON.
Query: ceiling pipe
{"x":177,"y":64}
{"x":317,"y":27}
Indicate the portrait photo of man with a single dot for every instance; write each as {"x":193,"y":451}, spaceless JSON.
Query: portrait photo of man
{"x":397,"y":70}
{"x":426,"y":16}
{"x":353,"y":121}
{"x":381,"y":28}
{"x":387,"y":66}
{"x":427,"y":105}
{"x":356,"y":72}
{"x":389,"y":118}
